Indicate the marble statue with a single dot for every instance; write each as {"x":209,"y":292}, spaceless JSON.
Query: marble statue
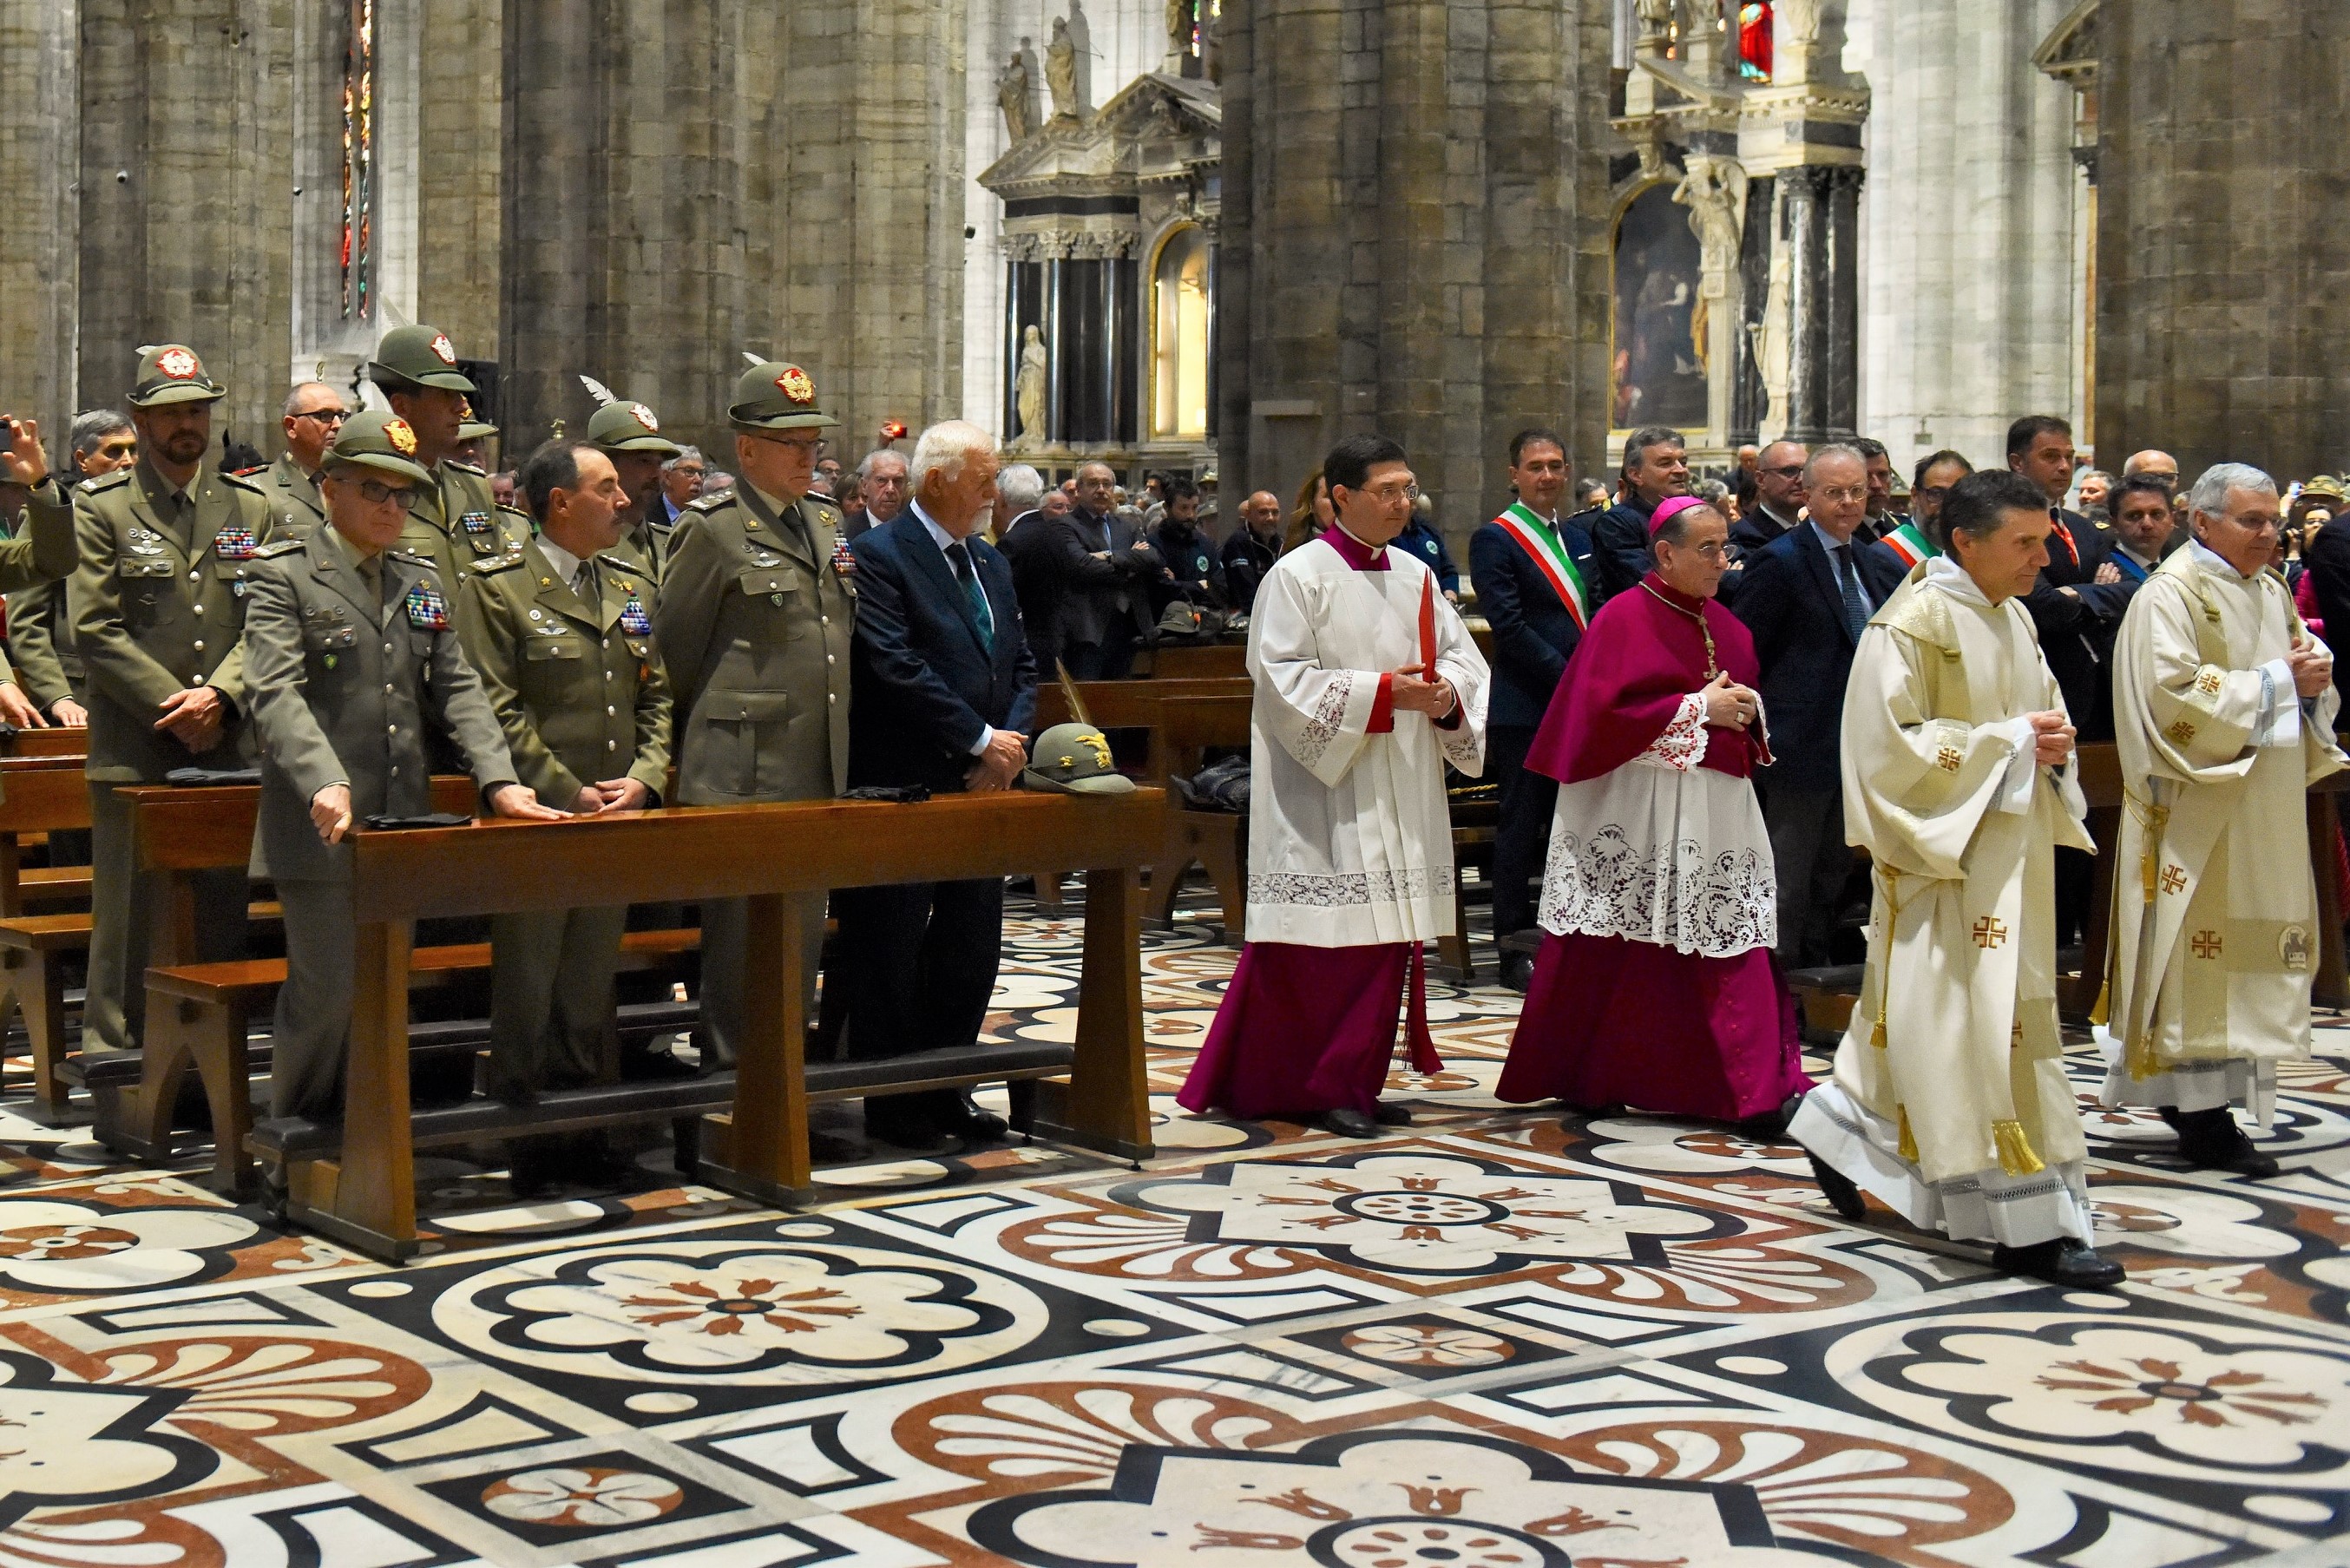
{"x":1774,"y":340}
{"x":1800,"y":19}
{"x":1012,"y":96}
{"x":1714,"y":190}
{"x":1061,"y":70}
{"x":1656,"y":16}
{"x":1028,"y":391}
{"x":1178,"y":26}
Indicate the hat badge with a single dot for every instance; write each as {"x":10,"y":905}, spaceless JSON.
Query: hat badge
{"x":443,"y":349}
{"x":176,"y":363}
{"x":794,"y":383}
{"x":1098,"y":743}
{"x":402,"y":438}
{"x":645,"y":418}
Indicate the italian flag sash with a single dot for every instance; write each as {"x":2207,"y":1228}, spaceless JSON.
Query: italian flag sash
{"x":1538,"y":540}
{"x":1910,"y":545}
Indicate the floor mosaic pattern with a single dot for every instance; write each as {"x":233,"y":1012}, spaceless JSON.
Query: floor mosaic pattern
{"x":1497,"y":1339}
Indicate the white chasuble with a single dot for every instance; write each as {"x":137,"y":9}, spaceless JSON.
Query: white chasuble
{"x":2215,"y":933}
{"x":1350,"y":840}
{"x":1949,"y":1100}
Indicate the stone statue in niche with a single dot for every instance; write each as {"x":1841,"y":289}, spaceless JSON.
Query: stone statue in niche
{"x":1801,"y":20}
{"x":1012,"y":97}
{"x":1656,"y":17}
{"x":1028,"y":391}
{"x":1180,"y":16}
{"x":1714,"y":190}
{"x":1774,"y":339}
{"x":1061,"y":71}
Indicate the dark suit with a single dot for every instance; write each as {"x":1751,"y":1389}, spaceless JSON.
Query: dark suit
{"x":2327,"y":558}
{"x":2076,"y":635}
{"x":1195,"y":571}
{"x":1247,"y":559}
{"x":1105,"y":602}
{"x":1792,"y":601}
{"x":1533,"y":637}
{"x":1034,"y":575}
{"x":1620,"y":541}
{"x":917,"y":960}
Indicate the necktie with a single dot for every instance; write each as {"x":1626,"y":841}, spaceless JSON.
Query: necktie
{"x":2065,"y":534}
{"x":371,"y":574}
{"x":583,"y":582}
{"x":1855,"y":602}
{"x":961,"y":559}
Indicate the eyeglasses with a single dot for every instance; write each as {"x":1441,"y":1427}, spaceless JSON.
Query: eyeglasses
{"x":1833,"y":496}
{"x":1792,"y":470}
{"x":376,"y":495}
{"x":1391,"y":494}
{"x":324,"y":416}
{"x":690,"y":470}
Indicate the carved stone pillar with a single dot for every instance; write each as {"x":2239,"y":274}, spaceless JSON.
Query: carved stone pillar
{"x":1806,"y":233}
{"x":1842,"y":317}
{"x":1750,"y":400}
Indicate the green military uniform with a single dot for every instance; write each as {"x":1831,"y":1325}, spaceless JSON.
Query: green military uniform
{"x":567,"y":656}
{"x":46,"y":659}
{"x":293,"y":494}
{"x":350,"y":658}
{"x":457,"y":520}
{"x":157,"y":602}
{"x":620,"y":427}
{"x":32,"y":568}
{"x":756,"y":609}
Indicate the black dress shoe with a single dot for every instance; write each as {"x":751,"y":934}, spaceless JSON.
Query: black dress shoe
{"x":1347,"y":1122}
{"x":1389,"y":1115}
{"x":960,"y":1117}
{"x":642,"y":1065}
{"x":2067,"y":1261}
{"x":1843,"y":1194}
{"x":2210,"y":1140}
{"x":1517,"y":972}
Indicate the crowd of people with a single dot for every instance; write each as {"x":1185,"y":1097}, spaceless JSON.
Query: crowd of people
{"x":1700,"y":695}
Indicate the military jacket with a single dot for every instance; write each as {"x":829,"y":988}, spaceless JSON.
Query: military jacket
{"x":578,"y":686}
{"x":157,"y":603}
{"x":754,"y":621}
{"x":648,"y":546}
{"x":41,"y":650}
{"x":294,"y":503}
{"x":343,"y":689}
{"x":458,"y":522}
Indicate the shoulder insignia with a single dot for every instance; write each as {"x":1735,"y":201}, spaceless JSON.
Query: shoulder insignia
{"x":626,"y":563}
{"x":120,"y":477}
{"x":274,"y":548}
{"x":706,"y":504}
{"x":463,"y":467}
{"x":414,"y":558}
{"x":519,"y":516}
{"x":243,"y":481}
{"x":492,"y":564}
{"x":828,"y":515}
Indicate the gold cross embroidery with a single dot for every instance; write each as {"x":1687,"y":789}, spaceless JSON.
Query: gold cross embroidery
{"x":2181,"y":733}
{"x":1990,"y":932}
{"x":2174,"y":878}
{"x":2206,"y":944}
{"x":2208,"y":682}
{"x":1948,"y":759}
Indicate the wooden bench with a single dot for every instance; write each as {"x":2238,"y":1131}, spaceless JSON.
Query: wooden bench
{"x":53,"y":742}
{"x":42,"y":794}
{"x":1215,"y":841}
{"x":355,"y":1180}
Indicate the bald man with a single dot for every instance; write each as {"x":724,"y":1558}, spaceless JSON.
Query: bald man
{"x":2160,"y":463}
{"x":314,"y":414}
{"x":1249,"y":554}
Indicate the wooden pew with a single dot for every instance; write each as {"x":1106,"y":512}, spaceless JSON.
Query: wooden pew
{"x":357,"y":1182}
{"x":43,"y":795}
{"x":1207,"y":661}
{"x":1126,"y":705}
{"x":49,"y":743}
{"x":1215,"y":841}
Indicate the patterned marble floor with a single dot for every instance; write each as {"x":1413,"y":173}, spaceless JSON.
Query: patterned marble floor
{"x":1492,"y":1341}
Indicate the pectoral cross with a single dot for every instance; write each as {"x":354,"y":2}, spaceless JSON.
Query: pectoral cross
{"x":2206,"y":944}
{"x":1990,"y":932}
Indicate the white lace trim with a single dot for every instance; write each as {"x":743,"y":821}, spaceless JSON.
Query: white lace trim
{"x":1683,"y":745}
{"x":1674,"y":859}
{"x":1340,"y":889}
{"x":1328,"y":716}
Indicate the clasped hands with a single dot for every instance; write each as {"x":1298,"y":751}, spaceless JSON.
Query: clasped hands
{"x":2051,"y":738}
{"x":1729,"y":705}
{"x":2313,"y":668}
{"x":1408,"y":693}
{"x":995,"y":767}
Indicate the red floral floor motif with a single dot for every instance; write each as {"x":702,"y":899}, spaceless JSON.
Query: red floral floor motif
{"x":1501,"y":1337}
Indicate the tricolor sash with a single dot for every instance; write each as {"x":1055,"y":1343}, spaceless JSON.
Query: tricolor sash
{"x":1540,"y":541}
{"x":1910,"y":545}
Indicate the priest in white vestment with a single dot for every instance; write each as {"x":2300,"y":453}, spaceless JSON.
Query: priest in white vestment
{"x":2224,"y":712}
{"x":1949,"y":1101}
{"x":1367,"y":684}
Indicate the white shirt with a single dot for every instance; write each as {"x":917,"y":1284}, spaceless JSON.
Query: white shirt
{"x":944,"y":541}
{"x":566,"y":564}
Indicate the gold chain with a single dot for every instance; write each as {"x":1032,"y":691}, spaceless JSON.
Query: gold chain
{"x":1713,"y":669}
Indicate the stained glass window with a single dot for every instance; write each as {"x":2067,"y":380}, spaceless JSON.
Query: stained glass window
{"x":1754,"y":40}
{"x":358,"y":162}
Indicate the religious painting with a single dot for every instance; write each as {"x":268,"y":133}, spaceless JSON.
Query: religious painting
{"x":1754,"y":41}
{"x":1658,"y":376}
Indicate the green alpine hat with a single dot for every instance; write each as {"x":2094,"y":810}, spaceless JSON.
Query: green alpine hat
{"x":628,"y":427}
{"x":171,"y":373}
{"x":372,"y":439}
{"x":1074,"y":759}
{"x":775,"y":396}
{"x":422,"y":356}
{"x":469,"y":425}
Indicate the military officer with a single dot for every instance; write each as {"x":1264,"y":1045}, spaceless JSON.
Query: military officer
{"x":756,"y":608}
{"x":314,"y":412}
{"x":351,"y":652}
{"x":157,"y":602}
{"x":457,"y":520}
{"x":630,"y":435}
{"x":563,"y":641}
{"x":34,"y":562}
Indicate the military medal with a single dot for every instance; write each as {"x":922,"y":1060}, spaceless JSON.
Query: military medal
{"x":146,"y":542}
{"x":475,"y":523}
{"x":234,"y":543}
{"x":633,"y":619}
{"x":427,"y":610}
{"x":844,"y":561}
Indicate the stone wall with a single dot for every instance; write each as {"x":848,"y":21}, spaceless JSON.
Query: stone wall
{"x":40,"y":256}
{"x":2222,"y":299}
{"x":1415,"y":199}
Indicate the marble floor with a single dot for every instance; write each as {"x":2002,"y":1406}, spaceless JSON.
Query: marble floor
{"x":1490,"y":1341}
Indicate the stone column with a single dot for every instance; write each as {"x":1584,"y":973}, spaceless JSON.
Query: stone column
{"x":40,"y":74}
{"x":1750,"y":400}
{"x":1805,"y":211}
{"x":1412,"y":236}
{"x":1841,"y":404}
{"x":2221,"y":294}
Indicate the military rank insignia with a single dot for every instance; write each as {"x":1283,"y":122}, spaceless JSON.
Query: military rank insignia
{"x":477,"y":523}
{"x":633,"y":619}
{"x":427,"y":610}
{"x":146,"y":542}
{"x":234,"y":543}
{"x":844,"y":560}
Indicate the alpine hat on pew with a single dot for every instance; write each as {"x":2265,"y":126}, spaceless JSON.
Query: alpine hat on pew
{"x":1074,"y":759}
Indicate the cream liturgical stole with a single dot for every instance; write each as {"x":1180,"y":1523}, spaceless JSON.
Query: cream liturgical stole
{"x":1350,"y":838}
{"x":2215,"y":905}
{"x":1955,"y":1038}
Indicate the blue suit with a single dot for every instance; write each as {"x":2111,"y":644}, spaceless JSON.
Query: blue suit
{"x":915,"y":963}
{"x":1533,"y":637}
{"x":1803,"y":640}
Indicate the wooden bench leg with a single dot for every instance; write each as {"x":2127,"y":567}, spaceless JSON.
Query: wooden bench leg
{"x":1222,"y":856}
{"x":367,"y":1198}
{"x":765,"y":1139}
{"x":1176,"y":857}
{"x":1048,"y":891}
{"x":1106,"y":1103}
{"x":215,"y":1041}
{"x":36,"y":981}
